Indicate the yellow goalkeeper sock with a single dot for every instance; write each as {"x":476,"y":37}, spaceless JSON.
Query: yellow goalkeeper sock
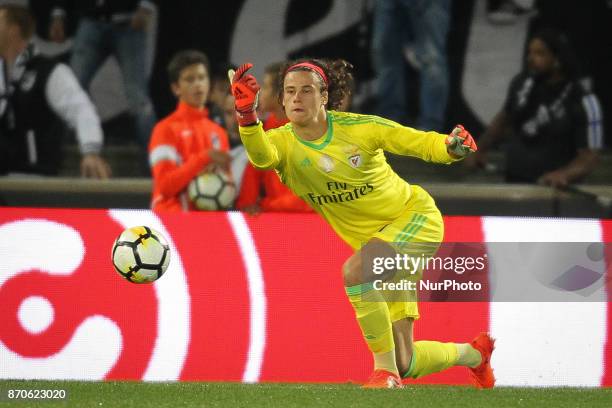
{"x":468,"y":355}
{"x":372,"y":314}
{"x":430,"y":357}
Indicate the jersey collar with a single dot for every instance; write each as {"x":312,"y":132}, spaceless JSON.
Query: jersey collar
{"x":326,"y":138}
{"x":190,"y":112}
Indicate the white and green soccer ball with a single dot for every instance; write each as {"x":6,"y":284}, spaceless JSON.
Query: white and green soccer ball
{"x":212,"y":191}
{"x":141,"y":254}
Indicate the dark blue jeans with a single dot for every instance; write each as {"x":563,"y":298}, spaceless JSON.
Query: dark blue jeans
{"x":94,"y":41}
{"x":427,"y":21}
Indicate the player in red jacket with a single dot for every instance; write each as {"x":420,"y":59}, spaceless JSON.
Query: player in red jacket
{"x":186,"y":142}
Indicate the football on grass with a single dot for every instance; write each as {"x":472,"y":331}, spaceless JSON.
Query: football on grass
{"x":141,"y":254}
{"x":212,"y":191}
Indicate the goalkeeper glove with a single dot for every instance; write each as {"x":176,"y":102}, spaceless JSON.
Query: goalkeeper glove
{"x":460,"y":142}
{"x":246,"y":94}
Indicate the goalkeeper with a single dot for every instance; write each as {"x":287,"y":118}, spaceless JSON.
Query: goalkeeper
{"x":335,"y":162}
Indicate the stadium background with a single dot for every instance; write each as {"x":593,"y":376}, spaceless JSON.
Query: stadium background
{"x":483,"y":57}
{"x":64,"y":314}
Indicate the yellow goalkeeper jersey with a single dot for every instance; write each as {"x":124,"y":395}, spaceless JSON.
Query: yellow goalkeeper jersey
{"x":344,"y":175}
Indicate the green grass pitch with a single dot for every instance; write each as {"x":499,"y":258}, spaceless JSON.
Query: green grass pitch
{"x":192,"y":394}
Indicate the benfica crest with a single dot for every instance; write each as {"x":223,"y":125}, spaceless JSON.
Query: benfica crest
{"x":354,"y":157}
{"x":355,"y":160}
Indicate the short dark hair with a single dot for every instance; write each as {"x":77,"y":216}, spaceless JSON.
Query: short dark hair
{"x":560,"y":46}
{"x":21,"y":17}
{"x":182,"y":60}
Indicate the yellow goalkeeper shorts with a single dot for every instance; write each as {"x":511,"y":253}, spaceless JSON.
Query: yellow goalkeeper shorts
{"x":417,"y":232}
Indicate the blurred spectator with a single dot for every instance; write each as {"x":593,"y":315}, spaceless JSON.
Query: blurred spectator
{"x":588,"y":29}
{"x":186,"y":142}
{"x":219,"y":89}
{"x":237,"y":150}
{"x":112,"y":27}
{"x":269,"y":103}
{"x":42,"y":11}
{"x":347,"y":101}
{"x":39,"y":98}
{"x":552,"y":118}
{"x":262,"y":190}
{"x":426,"y":23}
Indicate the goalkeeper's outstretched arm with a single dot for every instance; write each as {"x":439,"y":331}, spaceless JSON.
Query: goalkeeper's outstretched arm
{"x":260,"y":150}
{"x":428,"y":146}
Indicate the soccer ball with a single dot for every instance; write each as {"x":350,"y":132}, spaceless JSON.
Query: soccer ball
{"x":212,"y":191}
{"x":141,"y":254}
